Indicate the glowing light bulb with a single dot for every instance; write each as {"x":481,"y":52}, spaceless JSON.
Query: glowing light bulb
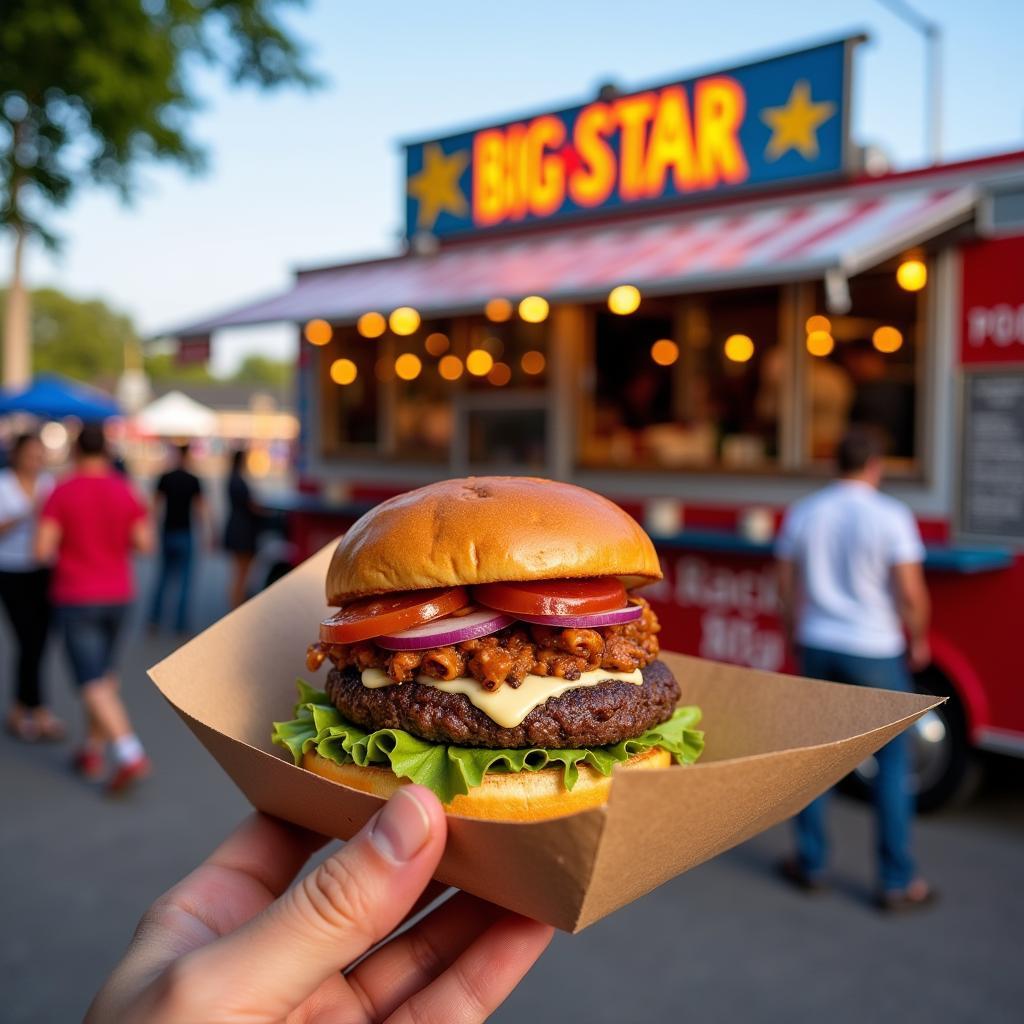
{"x":408,"y":366}
{"x":820,"y":343}
{"x":534,"y":309}
{"x":404,"y":320}
{"x":664,"y":352}
{"x":500,"y":375}
{"x":912,"y":275}
{"x":624,"y":299}
{"x":343,"y":371}
{"x":498,"y":310}
{"x":819,"y":323}
{"x":318,"y":332}
{"x":479,"y":362}
{"x":371,"y":325}
{"x":887,"y":339}
{"x":738,"y":348}
{"x":436,"y":344}
{"x":533,"y":362}
{"x":54,"y":435}
{"x":450,"y":367}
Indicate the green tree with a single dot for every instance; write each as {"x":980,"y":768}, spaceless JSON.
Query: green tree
{"x":84,"y":339}
{"x":91,"y":88}
{"x":272,"y":373}
{"x":162,"y":366}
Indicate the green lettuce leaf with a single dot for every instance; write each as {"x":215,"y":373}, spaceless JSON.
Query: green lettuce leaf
{"x":449,"y":770}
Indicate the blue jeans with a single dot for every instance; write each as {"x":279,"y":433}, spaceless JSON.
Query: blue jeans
{"x":894,"y":804}
{"x":175,"y":562}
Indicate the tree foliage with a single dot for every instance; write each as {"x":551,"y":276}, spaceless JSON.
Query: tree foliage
{"x":84,"y":339}
{"x":163,"y":367}
{"x":254,"y":369}
{"x":89,"y":88}
{"x":271,"y":373}
{"x":87,"y":340}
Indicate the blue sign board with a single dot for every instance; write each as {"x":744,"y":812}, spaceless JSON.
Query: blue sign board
{"x":781,"y":119}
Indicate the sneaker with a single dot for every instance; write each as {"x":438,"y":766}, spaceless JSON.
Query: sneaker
{"x":51,"y":729}
{"x":88,"y":764}
{"x":128,"y":774}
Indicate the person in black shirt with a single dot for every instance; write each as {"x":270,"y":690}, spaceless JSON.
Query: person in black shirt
{"x":180,"y":493}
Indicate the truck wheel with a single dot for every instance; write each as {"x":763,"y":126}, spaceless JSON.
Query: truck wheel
{"x":944,"y":771}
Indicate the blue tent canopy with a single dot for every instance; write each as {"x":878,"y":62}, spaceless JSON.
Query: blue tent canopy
{"x":54,"y":397}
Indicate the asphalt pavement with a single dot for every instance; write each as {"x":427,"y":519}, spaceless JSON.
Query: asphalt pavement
{"x":725,"y":942}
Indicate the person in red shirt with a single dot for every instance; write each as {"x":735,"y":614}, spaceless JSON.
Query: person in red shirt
{"x":88,"y":528}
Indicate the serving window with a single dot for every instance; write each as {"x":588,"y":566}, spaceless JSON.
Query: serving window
{"x":463,"y":389}
{"x":763,"y":379}
{"x":865,"y":367}
{"x":502,"y":412}
{"x":415,"y":393}
{"x":685,"y":383}
{"x":349,"y":394}
{"x":755,"y":380}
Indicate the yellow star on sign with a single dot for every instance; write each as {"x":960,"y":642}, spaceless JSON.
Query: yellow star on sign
{"x":436,"y":186}
{"x":795,"y":126}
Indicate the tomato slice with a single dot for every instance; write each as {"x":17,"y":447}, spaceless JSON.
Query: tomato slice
{"x":390,"y":613}
{"x":553,"y":597}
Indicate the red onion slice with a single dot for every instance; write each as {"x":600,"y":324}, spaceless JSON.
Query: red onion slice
{"x":616,"y":617}
{"x":468,"y":624}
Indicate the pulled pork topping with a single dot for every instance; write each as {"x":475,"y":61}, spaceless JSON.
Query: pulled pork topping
{"x":509,"y":655}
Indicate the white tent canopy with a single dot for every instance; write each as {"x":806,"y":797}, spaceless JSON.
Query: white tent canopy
{"x":176,"y":415}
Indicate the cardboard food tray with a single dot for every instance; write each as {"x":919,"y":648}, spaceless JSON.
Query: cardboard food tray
{"x":774,"y":742}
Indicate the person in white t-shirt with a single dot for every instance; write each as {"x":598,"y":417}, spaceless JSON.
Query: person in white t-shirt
{"x":855,"y":606}
{"x":25,"y":585}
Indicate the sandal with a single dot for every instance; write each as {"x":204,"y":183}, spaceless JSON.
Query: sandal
{"x":49,"y":727}
{"x":918,"y":894}
{"x":21,"y":727}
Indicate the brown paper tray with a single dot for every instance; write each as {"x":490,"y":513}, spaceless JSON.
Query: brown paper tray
{"x":774,"y":742}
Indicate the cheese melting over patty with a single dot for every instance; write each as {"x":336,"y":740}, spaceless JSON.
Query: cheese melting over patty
{"x":508,"y":706}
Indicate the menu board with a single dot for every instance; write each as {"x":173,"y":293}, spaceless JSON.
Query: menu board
{"x":993,"y":456}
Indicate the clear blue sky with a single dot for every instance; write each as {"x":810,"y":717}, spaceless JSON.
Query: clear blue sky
{"x":299,"y":178}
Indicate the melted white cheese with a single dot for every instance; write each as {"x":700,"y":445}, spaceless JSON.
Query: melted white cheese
{"x":508,"y":706}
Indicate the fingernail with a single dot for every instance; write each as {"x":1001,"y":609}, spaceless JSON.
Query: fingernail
{"x":402,"y":827}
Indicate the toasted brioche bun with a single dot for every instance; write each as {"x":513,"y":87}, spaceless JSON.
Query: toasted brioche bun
{"x":523,"y":796}
{"x":488,"y":529}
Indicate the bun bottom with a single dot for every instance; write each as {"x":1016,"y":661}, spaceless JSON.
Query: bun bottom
{"x":520,"y":796}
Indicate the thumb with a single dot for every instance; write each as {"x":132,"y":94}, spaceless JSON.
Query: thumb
{"x":334,"y":914}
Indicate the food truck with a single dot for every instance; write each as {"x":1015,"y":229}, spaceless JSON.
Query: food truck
{"x":680,"y":296}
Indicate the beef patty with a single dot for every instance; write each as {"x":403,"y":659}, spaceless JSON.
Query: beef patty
{"x":588,"y":716}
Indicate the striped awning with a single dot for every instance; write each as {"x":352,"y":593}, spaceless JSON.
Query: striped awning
{"x":742,"y":246}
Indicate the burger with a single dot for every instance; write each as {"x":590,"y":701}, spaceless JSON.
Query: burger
{"x":487,"y":645}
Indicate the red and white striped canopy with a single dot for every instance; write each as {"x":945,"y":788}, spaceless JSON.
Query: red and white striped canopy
{"x":681,"y":252}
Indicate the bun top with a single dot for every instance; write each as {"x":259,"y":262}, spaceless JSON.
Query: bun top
{"x":488,"y":529}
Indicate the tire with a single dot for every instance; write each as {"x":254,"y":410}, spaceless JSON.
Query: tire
{"x":944,"y":771}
